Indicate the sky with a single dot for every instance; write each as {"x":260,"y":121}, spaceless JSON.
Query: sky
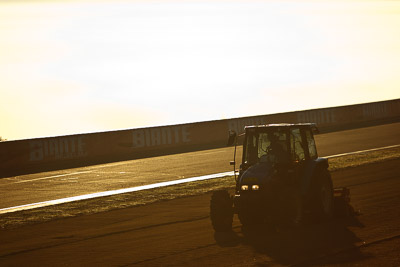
{"x":70,"y":67}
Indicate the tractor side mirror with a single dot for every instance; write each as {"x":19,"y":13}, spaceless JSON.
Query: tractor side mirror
{"x":232,"y":138}
{"x":232,"y":163}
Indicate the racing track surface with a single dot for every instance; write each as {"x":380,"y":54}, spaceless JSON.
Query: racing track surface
{"x":26,"y":189}
{"x":179,"y":233}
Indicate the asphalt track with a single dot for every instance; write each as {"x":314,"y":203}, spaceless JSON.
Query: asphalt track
{"x":26,"y":189}
{"x":179,"y":233}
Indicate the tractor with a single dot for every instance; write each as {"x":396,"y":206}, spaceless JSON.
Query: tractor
{"x":281,"y":180}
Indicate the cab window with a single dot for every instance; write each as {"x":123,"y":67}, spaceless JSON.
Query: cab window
{"x":251,"y":149}
{"x":312,"y":150}
{"x":266,"y":147}
{"x":297,"y":145}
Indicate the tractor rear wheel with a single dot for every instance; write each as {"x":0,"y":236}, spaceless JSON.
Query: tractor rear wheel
{"x":221,"y":211}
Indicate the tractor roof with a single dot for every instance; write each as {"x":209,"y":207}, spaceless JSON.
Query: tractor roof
{"x":313,"y":126}
{"x":283,"y":125}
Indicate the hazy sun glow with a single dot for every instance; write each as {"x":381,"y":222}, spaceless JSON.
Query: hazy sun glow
{"x":81,"y":66}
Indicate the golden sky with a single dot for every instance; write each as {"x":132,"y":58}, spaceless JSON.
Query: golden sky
{"x":82,"y":66}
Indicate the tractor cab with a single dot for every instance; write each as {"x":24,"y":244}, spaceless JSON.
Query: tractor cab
{"x":273,"y":150}
{"x":278,"y":143}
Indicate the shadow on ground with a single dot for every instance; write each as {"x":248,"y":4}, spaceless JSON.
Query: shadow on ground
{"x":300,"y":246}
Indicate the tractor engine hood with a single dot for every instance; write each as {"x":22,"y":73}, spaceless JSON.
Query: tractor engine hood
{"x":259,"y":173}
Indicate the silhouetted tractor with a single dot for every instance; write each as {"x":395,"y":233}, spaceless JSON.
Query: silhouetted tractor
{"x":281,"y":180}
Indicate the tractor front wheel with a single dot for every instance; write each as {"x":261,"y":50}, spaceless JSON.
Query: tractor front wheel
{"x":221,"y":211}
{"x":323,"y":195}
{"x":247,"y":217}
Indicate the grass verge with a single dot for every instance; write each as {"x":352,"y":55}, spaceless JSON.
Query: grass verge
{"x":96,"y":205}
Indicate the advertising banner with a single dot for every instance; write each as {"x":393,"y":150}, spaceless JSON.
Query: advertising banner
{"x":86,"y":149}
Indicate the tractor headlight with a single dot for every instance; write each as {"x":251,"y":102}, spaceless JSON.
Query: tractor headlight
{"x":255,"y":187}
{"x":245,"y":187}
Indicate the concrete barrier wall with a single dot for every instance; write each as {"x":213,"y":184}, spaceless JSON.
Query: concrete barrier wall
{"x":84,"y":149}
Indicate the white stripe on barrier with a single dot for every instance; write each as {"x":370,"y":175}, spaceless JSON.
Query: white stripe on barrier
{"x":150,"y":186}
